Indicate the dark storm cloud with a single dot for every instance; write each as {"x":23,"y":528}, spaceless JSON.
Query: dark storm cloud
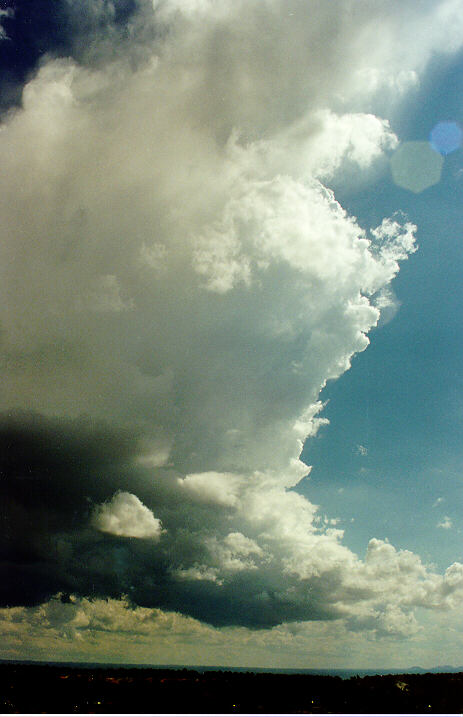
{"x":38,"y":29}
{"x":57,"y":473}
{"x":51,"y":471}
{"x":54,"y":472}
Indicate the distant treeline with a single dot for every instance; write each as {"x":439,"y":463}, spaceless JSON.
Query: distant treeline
{"x":45,"y":688}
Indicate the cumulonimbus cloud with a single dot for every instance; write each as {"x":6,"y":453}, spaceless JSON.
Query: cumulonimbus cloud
{"x":177,"y":269}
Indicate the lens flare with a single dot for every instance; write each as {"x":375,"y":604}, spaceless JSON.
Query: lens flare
{"x":416,"y":166}
{"x":446,"y":137}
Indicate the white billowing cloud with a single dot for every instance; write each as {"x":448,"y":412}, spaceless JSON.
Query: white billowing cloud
{"x":303,"y":568}
{"x":373,"y":80}
{"x":175,"y":261}
{"x":125,"y":515}
{"x":200,"y":280}
{"x":358,"y":138}
{"x":320,"y":144}
{"x":282,"y":221}
{"x":405,"y":580}
{"x":235,"y":552}
{"x":211,"y":487}
{"x":153,"y":228}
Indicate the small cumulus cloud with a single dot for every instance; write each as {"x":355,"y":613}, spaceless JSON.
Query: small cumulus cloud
{"x":126,"y":516}
{"x":388,"y":304}
{"x":361,"y":450}
{"x":445,"y":523}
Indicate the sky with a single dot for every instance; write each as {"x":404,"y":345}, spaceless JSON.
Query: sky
{"x":232,"y":390}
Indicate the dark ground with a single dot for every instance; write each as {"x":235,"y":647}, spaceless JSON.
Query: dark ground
{"x":51,"y":689}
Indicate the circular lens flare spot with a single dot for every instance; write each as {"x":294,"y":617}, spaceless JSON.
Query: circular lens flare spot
{"x":416,"y":166}
{"x":446,"y":137}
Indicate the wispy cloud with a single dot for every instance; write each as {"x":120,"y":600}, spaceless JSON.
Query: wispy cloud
{"x":445,"y":523}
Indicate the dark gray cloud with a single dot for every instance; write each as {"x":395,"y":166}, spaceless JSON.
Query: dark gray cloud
{"x":54,"y":472}
{"x":51,"y":471}
{"x":43,"y":29}
{"x":254,"y":562}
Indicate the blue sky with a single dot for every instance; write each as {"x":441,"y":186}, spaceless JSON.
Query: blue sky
{"x":402,"y":398}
